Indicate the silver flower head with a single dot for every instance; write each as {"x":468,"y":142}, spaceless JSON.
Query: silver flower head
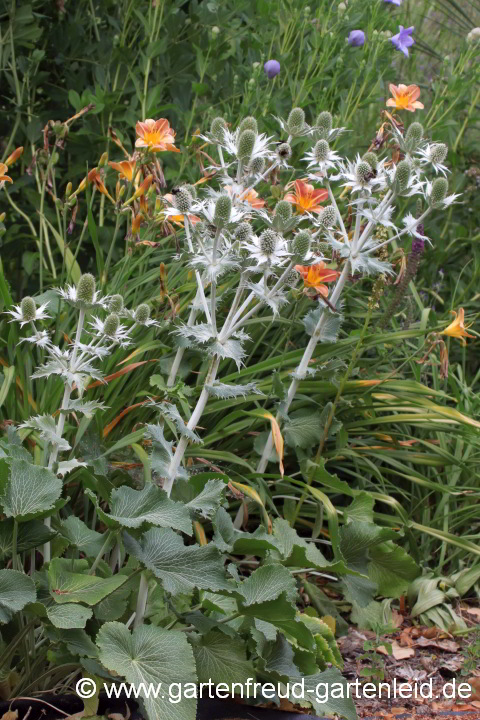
{"x":116,"y":335}
{"x":261,"y":146}
{"x":323,"y":164}
{"x":267,"y":250}
{"x":434,"y":154}
{"x":36,"y":313}
{"x":70,"y":295}
{"x":41,"y":338}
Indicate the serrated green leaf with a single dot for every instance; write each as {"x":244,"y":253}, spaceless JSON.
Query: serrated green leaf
{"x":181,"y":568}
{"x":29,"y":490}
{"x":30,"y":534}
{"x":16,"y":591}
{"x":332,"y":696}
{"x":361,"y":508}
{"x":266,"y":583}
{"x":80,"y":536}
{"x":68,"y":616}
{"x":221,"y":660}
{"x":392,"y":569}
{"x":73,"y":587}
{"x":303,"y":430}
{"x":298,"y":552}
{"x":151,"y":655}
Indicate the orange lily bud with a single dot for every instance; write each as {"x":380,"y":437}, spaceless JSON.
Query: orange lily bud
{"x":14,"y":156}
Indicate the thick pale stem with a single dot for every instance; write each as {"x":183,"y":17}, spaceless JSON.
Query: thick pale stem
{"x":142,"y":599}
{"x":191,"y":425}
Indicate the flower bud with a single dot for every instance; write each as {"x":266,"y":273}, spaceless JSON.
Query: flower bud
{"x":371,"y":159}
{"x":324,"y":123}
{"x":13,"y":157}
{"x":246,"y":142}
{"x":86,"y":288}
{"x":328,"y":217}
{"x":256,"y":166}
{"x":362,"y":171}
{"x":68,"y":190}
{"x":103,"y":160}
{"x":321,"y":150}
{"x":296,"y":121}
{"x":301,"y":243}
{"x":438,"y":152}
{"x":116,"y":303}
{"x":183,"y":200}
{"x":142,"y":314}
{"x":223,"y":209}
{"x":268,"y":242}
{"x":414,"y":136}
{"x":402,"y":174}
{"x":215,"y":30}
{"x":29,"y":309}
{"x":283,"y":210}
{"x":439,"y":191}
{"x":248,"y":123}
{"x":217,"y":128}
{"x":111,"y":324}
{"x":243,"y":231}
{"x":284,"y":151}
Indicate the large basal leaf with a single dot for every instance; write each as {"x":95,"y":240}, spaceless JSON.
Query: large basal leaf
{"x":73,"y":587}
{"x":162,"y":453}
{"x":222,"y":660}
{"x":392,"y":569}
{"x":282,"y":614}
{"x":131,"y":508}
{"x":82,"y":537}
{"x":29,"y":490}
{"x":268,"y":583}
{"x":180,"y":567}
{"x":207,"y":502}
{"x":68,"y":616}
{"x":228,"y":539}
{"x":151,"y":655}
{"x":16,"y":591}
{"x":30,"y":534}
{"x":330,"y":694}
{"x":297,"y":552}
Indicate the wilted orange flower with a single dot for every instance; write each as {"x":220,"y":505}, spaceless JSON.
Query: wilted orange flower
{"x":315,"y":275}
{"x":14,"y":156}
{"x":306,"y":197}
{"x":156,"y":135}
{"x":405,"y":97}
{"x":136,"y":222}
{"x":125,"y":168}
{"x":457,"y":327}
{"x":3,"y":176}
{"x":95,"y":177}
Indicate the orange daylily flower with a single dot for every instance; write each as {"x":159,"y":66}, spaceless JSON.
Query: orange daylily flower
{"x":306,"y":197}
{"x":13,"y":157}
{"x":95,"y":177}
{"x":457,"y":327}
{"x":125,"y":168}
{"x":315,"y":275}
{"x":251,"y":197}
{"x":156,"y":135}
{"x":136,"y":222}
{"x":3,"y":176}
{"x":405,"y":97}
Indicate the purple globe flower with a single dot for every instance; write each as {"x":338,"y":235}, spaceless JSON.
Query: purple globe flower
{"x":272,"y":68}
{"x":356,"y":38}
{"x":403,"y":40}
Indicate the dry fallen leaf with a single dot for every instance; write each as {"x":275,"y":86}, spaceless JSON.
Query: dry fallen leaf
{"x":398,"y":652}
{"x":446,"y":645}
{"x":473,"y":611}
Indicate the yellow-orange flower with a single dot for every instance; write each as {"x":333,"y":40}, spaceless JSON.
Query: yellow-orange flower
{"x":95,"y":177}
{"x":405,"y":97}
{"x":3,"y":176}
{"x":306,"y":197}
{"x":156,"y":135}
{"x":125,"y":168}
{"x":315,"y":275}
{"x":14,"y":156}
{"x":251,"y":197}
{"x":457,"y":327}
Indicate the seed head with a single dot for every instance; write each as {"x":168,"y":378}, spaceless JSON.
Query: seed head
{"x":191,"y":189}
{"x":111,"y":324}
{"x":142,"y":314}
{"x":439,"y":191}
{"x":283,"y":210}
{"x":362,"y":170}
{"x":414,"y":136}
{"x":371,"y":159}
{"x":217,"y":128}
{"x":246,"y":142}
{"x":268,"y":242}
{"x":256,"y":166}
{"x":292,"y":278}
{"x":301,"y":243}
{"x":86,"y":288}
{"x":243,"y":231}
{"x":296,"y":121}
{"x":116,"y":303}
{"x":402,"y":174}
{"x":183,"y":199}
{"x":324,"y":123}
{"x":29,"y":309}
{"x":248,"y":123}
{"x":438,"y":152}
{"x":223,"y":209}
{"x":284,"y":151}
{"x":321,"y":150}
{"x":328,"y":217}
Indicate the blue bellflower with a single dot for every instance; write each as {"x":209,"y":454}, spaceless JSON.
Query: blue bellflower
{"x":271,"y":68}
{"x":356,"y":38}
{"x":403,"y":40}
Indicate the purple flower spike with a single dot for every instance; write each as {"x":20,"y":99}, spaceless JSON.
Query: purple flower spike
{"x":356,"y":38}
{"x":403,"y":40}
{"x":272,"y":68}
{"x":394,"y":2}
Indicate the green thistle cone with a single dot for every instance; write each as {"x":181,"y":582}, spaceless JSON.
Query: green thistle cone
{"x":28,"y":308}
{"x":324,"y":123}
{"x":268,"y":242}
{"x":116,"y":303}
{"x":321,"y":150}
{"x":284,"y":151}
{"x":223,"y":210}
{"x":372,"y":159}
{"x":243,"y":231}
{"x":86,"y":289}
{"x":142,"y":314}
{"x":328,"y":217}
{"x":301,"y":243}
{"x":402,"y":174}
{"x":296,"y":121}
{"x":111,"y":324}
{"x":439,"y":191}
{"x":283,"y":210}
{"x":183,"y":200}
{"x":363,"y":170}
{"x":414,"y":136}
{"x":217,"y":128}
{"x":248,"y":123}
{"x":246,"y":142}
